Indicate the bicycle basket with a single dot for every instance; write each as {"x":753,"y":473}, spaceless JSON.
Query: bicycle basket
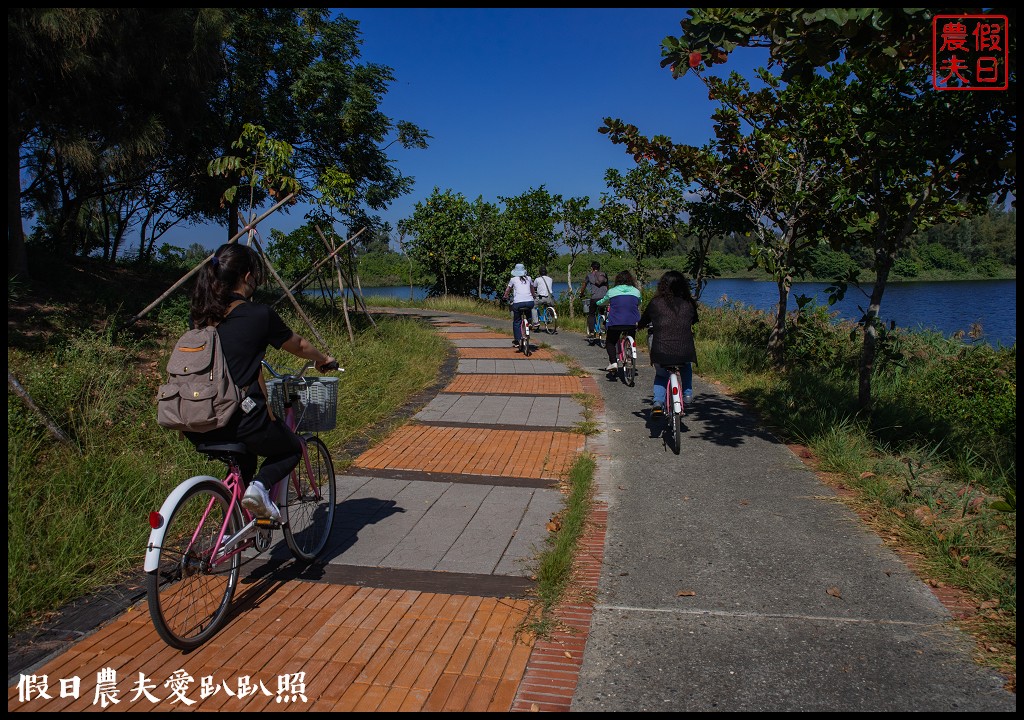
{"x":317,"y":404}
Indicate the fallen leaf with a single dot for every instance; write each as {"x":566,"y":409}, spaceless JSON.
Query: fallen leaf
{"x":989,"y":604}
{"x":568,"y":654}
{"x":866,"y":474}
{"x":622,"y":487}
{"x":534,"y":708}
{"x":744,"y":503}
{"x":685,"y":593}
{"x":834,"y":592}
{"x":993,"y":648}
{"x":616,"y":430}
{"x":900,"y":513}
{"x":924,"y":515}
{"x":623,"y":574}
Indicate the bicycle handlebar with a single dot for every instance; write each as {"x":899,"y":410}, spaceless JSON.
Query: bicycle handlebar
{"x":308,"y":366}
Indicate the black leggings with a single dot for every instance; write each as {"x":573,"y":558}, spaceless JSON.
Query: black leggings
{"x":280,"y":446}
{"x":612,"y":339}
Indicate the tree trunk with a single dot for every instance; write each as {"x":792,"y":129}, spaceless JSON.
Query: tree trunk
{"x":17,"y":258}
{"x":777,"y":338}
{"x":870,"y":348}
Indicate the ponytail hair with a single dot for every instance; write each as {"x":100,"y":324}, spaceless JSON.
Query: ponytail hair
{"x":219,"y":278}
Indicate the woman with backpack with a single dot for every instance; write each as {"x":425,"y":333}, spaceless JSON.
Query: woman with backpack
{"x":223,"y":298}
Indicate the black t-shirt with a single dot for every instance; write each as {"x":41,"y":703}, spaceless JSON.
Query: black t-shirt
{"x":245,"y":334}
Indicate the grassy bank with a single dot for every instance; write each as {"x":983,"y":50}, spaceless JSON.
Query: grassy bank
{"x":77,"y":510}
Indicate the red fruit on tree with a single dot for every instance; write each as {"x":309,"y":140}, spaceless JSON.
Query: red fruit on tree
{"x":695,"y":59}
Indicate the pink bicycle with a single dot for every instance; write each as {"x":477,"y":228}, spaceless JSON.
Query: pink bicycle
{"x":198,"y":537}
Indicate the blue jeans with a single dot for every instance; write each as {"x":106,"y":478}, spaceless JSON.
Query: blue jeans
{"x":661,"y":379}
{"x":518,"y":310}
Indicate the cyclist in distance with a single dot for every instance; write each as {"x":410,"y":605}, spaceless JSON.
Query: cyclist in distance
{"x":223,"y":297}
{"x":596,"y":284}
{"x":672,"y":312}
{"x":543,"y":285}
{"x":520,"y":286}
{"x":623,"y":301}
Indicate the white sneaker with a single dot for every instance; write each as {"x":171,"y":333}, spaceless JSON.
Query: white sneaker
{"x":258,"y":502}
{"x":612,"y":367}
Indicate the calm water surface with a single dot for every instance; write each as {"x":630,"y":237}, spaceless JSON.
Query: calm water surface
{"x":945,"y":307}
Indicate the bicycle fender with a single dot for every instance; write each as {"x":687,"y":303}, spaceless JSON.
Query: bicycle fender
{"x":156,"y":535}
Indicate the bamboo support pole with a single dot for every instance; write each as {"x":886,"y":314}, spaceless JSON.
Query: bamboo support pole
{"x":138,"y":316}
{"x":50,"y":424}
{"x":319,"y":263}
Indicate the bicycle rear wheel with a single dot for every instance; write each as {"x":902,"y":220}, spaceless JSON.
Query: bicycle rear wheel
{"x":602,"y":332}
{"x":307,"y":519}
{"x":628,"y":366}
{"x":189,"y":597}
{"x":676,"y":432}
{"x":525,"y":335}
{"x":551,"y":320}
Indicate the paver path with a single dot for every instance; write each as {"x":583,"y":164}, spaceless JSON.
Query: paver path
{"x":418,"y":600}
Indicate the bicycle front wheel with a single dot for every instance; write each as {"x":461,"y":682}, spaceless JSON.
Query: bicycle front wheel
{"x":308,"y":513}
{"x":188,"y":595}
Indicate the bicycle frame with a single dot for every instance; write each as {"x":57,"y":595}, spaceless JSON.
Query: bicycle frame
{"x":233,"y":482}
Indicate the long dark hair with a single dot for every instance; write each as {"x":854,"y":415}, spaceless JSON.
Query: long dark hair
{"x":218,"y":279}
{"x":625,"y":278}
{"x":673,"y":284}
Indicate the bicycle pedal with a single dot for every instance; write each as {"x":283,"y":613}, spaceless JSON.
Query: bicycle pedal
{"x":263,"y":539}
{"x":268,"y":523}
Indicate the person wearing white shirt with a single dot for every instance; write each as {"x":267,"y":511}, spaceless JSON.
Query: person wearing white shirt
{"x":543,"y":286}
{"x":520,"y":286}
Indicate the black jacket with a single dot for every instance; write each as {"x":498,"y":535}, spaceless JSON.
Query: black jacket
{"x":673,"y":319}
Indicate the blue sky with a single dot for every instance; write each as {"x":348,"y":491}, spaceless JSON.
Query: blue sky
{"x":513,"y":98}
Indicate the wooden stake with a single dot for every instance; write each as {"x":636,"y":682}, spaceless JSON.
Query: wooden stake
{"x":193,"y":271}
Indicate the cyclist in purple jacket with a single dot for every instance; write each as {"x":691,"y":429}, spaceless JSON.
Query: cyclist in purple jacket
{"x":623,"y":301}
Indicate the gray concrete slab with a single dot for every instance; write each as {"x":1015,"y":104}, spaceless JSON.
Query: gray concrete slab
{"x":539,"y":411}
{"x":528,"y":542}
{"x":510,"y":366}
{"x":464,"y":329}
{"x":481,"y":545}
{"x":438,"y":529}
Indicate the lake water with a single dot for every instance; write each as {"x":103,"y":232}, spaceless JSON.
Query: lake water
{"x":946,"y":307}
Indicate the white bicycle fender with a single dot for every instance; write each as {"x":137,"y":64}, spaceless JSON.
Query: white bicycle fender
{"x":156,"y":535}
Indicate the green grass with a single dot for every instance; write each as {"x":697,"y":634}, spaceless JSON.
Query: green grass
{"x":555,"y":565}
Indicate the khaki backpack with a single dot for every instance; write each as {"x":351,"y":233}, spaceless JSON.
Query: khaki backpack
{"x":199,"y":394}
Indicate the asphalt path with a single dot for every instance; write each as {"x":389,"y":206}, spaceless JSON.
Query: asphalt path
{"x":735,"y":580}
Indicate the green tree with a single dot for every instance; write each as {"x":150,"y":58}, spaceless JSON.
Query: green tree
{"x":580,"y":232}
{"x":641,"y":211}
{"x":528,"y":228}
{"x":295,"y":72}
{"x":97,"y":111}
{"x":485,"y":227}
{"x":767,"y":170}
{"x":442,"y":241}
{"x":800,"y":40}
